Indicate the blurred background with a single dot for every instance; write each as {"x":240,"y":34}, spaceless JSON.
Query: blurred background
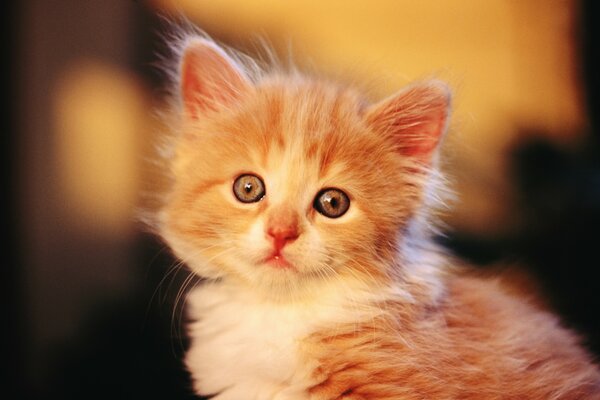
{"x":89,"y":307}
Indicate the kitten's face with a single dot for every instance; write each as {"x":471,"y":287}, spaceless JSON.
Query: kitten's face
{"x":290,"y":185}
{"x":290,"y":143}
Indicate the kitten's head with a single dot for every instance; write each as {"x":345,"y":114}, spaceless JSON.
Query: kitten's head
{"x":281,"y":181}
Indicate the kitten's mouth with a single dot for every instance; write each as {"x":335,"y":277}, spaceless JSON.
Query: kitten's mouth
{"x":277,"y":260}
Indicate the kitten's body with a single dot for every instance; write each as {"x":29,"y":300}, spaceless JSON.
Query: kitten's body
{"x":473,"y":342}
{"x":361,"y":305}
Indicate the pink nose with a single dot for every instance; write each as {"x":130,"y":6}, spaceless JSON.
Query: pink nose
{"x":282,"y":235}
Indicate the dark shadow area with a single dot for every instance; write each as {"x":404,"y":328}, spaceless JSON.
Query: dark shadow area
{"x":12,"y":376}
{"x":129,"y":347}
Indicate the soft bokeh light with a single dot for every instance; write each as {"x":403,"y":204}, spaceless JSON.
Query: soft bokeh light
{"x":101,"y":116}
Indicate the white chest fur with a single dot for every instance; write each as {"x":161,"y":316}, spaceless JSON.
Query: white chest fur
{"x":246,"y":348}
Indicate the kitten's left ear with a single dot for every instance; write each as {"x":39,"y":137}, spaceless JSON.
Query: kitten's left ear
{"x":209,"y":78}
{"x":415,"y":119}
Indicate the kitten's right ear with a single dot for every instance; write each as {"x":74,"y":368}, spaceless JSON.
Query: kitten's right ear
{"x":209,"y":78}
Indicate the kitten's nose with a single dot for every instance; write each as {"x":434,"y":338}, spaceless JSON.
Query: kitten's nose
{"x":282,"y":227}
{"x":282,"y":235}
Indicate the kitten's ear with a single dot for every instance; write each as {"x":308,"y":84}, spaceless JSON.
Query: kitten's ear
{"x":415,"y":118}
{"x":209,"y":78}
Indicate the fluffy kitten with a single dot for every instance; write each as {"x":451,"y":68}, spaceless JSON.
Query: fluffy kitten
{"x":306,"y":209}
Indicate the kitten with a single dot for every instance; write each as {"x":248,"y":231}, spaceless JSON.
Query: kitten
{"x":307,"y":210}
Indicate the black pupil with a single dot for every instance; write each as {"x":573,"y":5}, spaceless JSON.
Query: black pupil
{"x":248,"y":187}
{"x":333,"y":202}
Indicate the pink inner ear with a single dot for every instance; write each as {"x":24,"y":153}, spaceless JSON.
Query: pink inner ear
{"x":209,"y":78}
{"x":415,"y":119}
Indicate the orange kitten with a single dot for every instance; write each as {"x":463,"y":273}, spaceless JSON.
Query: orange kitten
{"x":306,"y":209}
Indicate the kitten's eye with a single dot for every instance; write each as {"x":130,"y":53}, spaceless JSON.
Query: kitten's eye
{"x":332,"y":203}
{"x":248,"y":188}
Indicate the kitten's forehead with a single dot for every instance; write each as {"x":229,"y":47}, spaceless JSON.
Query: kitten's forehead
{"x":310,"y":129}
{"x":300,"y":138}
{"x":291,"y":174}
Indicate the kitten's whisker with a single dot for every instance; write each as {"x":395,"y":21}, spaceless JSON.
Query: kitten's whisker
{"x":192,"y":275}
{"x":172,"y":272}
{"x":176,"y":266}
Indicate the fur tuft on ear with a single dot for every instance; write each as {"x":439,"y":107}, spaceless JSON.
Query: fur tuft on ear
{"x":209,"y":78}
{"x":415,"y":119}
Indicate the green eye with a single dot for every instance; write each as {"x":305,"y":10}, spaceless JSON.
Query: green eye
{"x":248,"y":188}
{"x":331,"y":202}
